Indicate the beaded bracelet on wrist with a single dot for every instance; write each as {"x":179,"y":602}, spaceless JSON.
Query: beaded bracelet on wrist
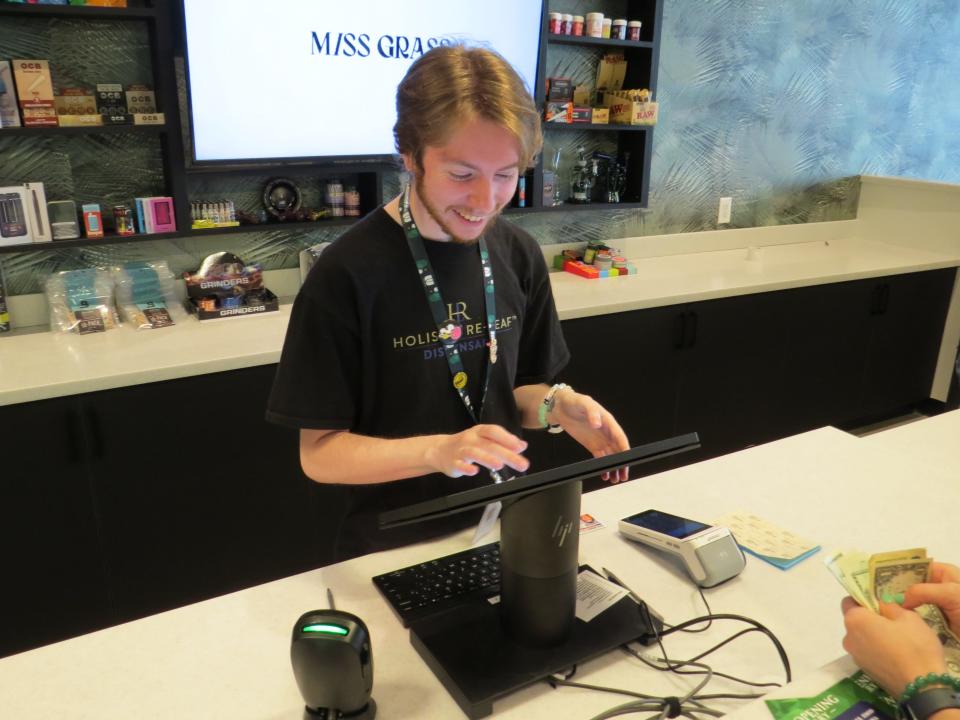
{"x":925,"y":681}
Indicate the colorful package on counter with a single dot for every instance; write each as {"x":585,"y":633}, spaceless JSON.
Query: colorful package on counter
{"x":81,"y":301}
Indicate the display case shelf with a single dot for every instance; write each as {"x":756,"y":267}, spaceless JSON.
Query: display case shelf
{"x":601,"y":127}
{"x":82,"y":130}
{"x":78,"y":11}
{"x":597,"y":42}
{"x":114,"y":239}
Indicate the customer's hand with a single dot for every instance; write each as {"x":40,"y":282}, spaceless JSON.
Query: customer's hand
{"x":591,"y":425}
{"x":894,"y":647}
{"x":490,"y":446}
{"x":943,"y":590}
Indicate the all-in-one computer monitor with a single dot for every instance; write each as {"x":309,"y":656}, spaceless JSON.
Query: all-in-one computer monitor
{"x":532,"y":633}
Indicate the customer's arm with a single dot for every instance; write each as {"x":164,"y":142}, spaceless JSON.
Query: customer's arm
{"x":339,"y":456}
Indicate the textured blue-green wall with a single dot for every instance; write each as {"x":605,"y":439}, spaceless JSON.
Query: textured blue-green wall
{"x":778,"y":105}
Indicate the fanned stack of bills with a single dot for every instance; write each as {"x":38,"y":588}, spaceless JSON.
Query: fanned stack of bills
{"x":884,"y":576}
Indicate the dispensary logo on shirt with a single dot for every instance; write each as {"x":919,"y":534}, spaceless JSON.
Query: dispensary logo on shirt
{"x":462,"y":324}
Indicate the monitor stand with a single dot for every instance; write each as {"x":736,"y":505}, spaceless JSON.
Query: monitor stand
{"x":482,"y":651}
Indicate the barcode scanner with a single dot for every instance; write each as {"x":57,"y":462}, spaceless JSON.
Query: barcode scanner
{"x":333,"y":665}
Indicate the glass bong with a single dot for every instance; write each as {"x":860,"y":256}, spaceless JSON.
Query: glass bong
{"x":552,"y":195}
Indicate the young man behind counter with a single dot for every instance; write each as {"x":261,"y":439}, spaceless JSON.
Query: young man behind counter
{"x":426,"y":336}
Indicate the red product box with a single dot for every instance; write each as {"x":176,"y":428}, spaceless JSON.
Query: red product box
{"x":578,"y":268}
{"x":582,"y":115}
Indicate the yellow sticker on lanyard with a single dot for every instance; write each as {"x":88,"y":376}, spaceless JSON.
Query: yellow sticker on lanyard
{"x":460,"y":380}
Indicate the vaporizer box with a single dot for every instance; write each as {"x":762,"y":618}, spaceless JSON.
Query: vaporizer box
{"x":35,"y":92}
{"x":14,"y":225}
{"x":9,"y":111}
{"x":38,"y":219}
{"x":112,"y":104}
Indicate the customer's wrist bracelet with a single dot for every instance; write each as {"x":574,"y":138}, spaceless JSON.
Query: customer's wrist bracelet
{"x":549,"y":401}
{"x":920,"y":699}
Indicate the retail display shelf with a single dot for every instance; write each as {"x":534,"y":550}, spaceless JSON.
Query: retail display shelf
{"x":82,"y":130}
{"x":78,"y":11}
{"x":608,"y":127}
{"x":601,"y":42}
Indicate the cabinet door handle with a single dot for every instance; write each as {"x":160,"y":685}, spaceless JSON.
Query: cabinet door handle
{"x":694,"y":323}
{"x":876,"y":300}
{"x":680,"y":333}
{"x":75,"y":435}
{"x":96,"y":434}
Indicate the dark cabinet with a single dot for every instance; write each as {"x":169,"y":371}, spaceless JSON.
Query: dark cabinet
{"x":198,"y":494}
{"x":750,"y":369}
{"x":729,"y":359}
{"x":906,"y":317}
{"x":141,"y":499}
{"x":54,"y":581}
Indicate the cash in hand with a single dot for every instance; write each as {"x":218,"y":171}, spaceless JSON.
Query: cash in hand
{"x":883,"y":576}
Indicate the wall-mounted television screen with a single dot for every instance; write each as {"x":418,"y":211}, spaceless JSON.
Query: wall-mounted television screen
{"x":294,"y":79}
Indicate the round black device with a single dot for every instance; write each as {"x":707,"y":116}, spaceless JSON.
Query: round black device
{"x":333,"y":665}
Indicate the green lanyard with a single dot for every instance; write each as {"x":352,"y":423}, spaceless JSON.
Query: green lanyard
{"x":449,"y":333}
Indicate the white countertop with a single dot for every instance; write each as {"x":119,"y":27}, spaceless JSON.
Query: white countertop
{"x":39,"y":365}
{"x":675,"y":279}
{"x":229,"y":657}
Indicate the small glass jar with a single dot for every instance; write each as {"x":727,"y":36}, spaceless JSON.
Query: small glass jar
{"x":334,"y":197}
{"x":351,"y":201}
{"x":578,"y":25}
{"x":567,"y":24}
{"x":556,"y":23}
{"x":607,"y":22}
{"x":618,"y":30}
{"x":594,"y":24}
{"x":633,"y":30}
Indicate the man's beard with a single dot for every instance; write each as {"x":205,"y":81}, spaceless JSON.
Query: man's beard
{"x":435,"y":214}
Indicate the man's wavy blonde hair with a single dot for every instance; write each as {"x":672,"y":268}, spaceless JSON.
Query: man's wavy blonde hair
{"x":454,"y":83}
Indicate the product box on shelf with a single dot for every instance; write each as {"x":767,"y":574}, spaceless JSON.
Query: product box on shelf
{"x":35,"y":92}
{"x":76,"y":107}
{"x":601,"y":116}
{"x":140,"y":99}
{"x":36,"y":211}
{"x":581,"y":115}
{"x":14,"y":225}
{"x":9,"y":110}
{"x":559,"y":89}
{"x":161,"y":214}
{"x":112,"y":104}
{"x":4,"y":315}
{"x":154,"y":118}
{"x":92,"y":220}
{"x":628,"y":108}
{"x":63,"y":219}
{"x":559,"y":112}
{"x":226,"y":287}
{"x":611,"y":72}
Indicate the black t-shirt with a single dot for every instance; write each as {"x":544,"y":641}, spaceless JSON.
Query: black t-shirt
{"x":362,"y":354}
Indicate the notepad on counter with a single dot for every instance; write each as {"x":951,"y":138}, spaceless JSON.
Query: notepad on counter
{"x":767,"y":541}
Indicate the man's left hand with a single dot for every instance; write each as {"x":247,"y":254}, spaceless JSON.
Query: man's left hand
{"x":591,"y":425}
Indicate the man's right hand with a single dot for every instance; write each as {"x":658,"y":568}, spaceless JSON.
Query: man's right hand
{"x":943,"y":590}
{"x":488,"y":445}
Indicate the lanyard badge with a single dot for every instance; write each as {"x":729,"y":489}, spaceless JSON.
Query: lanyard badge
{"x":449,"y":333}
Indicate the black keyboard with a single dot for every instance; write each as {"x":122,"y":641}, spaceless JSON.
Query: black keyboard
{"x":435,"y":586}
